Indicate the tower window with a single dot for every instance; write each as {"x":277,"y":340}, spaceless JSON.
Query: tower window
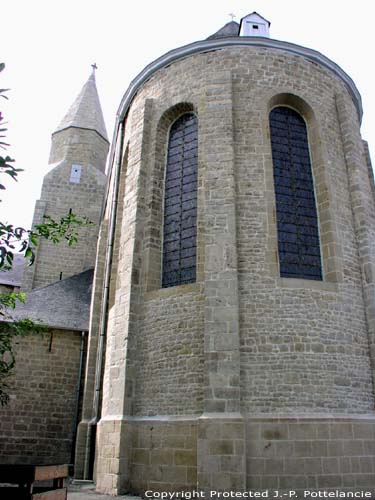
{"x":255,"y":27}
{"x":180,"y":203}
{"x":75,"y":174}
{"x":297,"y":221}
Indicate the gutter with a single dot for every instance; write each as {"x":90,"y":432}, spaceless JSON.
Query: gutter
{"x":78,"y":391}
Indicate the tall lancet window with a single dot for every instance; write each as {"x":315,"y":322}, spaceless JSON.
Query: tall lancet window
{"x":180,"y":203}
{"x":297,"y":221}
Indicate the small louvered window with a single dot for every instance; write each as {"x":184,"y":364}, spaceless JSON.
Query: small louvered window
{"x":180,"y":203}
{"x":297,"y":222}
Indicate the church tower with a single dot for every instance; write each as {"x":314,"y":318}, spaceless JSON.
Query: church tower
{"x":76,"y":181}
{"x":239,"y":327}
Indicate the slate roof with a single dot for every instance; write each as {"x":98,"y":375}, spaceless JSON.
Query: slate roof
{"x":64,"y":304}
{"x":86,"y":111}
{"x":13,"y":277}
{"x":230,"y":29}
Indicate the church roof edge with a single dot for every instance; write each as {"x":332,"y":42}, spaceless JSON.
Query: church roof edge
{"x":232,"y":41}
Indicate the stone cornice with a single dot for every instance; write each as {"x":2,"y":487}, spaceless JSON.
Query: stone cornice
{"x":208,"y":45}
{"x":81,"y":128}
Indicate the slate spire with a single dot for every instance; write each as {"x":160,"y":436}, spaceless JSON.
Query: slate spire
{"x":86,"y":111}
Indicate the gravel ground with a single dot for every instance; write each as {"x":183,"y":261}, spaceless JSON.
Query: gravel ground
{"x":92,"y":495}
{"x":87,"y":492}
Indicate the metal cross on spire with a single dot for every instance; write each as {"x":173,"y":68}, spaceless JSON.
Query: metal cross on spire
{"x":94,"y":66}
{"x":232,"y":16}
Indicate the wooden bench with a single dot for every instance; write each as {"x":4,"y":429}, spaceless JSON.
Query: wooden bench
{"x":26,"y":478}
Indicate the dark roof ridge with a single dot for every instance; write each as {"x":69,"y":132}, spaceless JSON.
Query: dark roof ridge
{"x":60,"y":281}
{"x":231,"y":28}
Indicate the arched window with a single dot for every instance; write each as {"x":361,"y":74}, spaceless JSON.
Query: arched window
{"x":297,"y":222}
{"x":180,"y":203}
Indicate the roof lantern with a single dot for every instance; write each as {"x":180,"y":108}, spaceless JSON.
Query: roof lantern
{"x":254,"y":25}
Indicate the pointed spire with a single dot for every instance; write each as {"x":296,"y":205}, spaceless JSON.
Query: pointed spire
{"x":86,"y":111}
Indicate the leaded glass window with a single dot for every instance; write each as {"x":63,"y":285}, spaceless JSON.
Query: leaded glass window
{"x":180,"y":203}
{"x":297,"y":221}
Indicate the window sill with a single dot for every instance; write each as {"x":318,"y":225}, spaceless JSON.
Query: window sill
{"x":307,"y":284}
{"x":174,"y":291}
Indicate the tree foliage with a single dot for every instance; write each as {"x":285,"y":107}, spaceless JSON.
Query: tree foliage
{"x":13,"y":240}
{"x":18,"y":239}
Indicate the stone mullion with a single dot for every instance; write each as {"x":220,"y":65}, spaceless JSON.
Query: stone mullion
{"x":361,"y":194}
{"x":181,"y":211}
{"x":221,"y":331}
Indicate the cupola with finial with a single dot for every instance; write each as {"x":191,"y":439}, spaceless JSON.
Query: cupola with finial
{"x":254,"y":25}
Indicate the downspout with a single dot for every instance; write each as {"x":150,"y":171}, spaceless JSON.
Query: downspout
{"x":78,"y":391}
{"x":91,"y":429}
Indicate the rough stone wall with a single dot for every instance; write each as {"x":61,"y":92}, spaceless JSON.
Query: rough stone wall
{"x":164,"y":456}
{"x":310,"y":454}
{"x":81,"y":145}
{"x":269,"y":345}
{"x":85,"y":200}
{"x":294,"y":333}
{"x":161,"y":456}
{"x":38,"y":424}
{"x":170,"y":355}
{"x":88,"y":149}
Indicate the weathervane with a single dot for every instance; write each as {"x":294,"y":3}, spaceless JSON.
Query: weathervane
{"x":232,"y":16}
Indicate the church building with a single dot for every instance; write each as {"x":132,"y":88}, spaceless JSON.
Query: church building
{"x":231,"y":337}
{"x":38,"y":426}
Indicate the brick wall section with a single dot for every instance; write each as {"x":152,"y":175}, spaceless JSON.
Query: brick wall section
{"x":271,"y":345}
{"x":37,"y":425}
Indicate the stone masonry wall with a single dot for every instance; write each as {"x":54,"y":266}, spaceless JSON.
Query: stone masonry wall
{"x":294,"y":333}
{"x":59,"y":195}
{"x":310,"y":454}
{"x":82,"y":145}
{"x":84,"y":199}
{"x":163,"y":456}
{"x":176,"y":362}
{"x":258,"y":344}
{"x":38,"y":424}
